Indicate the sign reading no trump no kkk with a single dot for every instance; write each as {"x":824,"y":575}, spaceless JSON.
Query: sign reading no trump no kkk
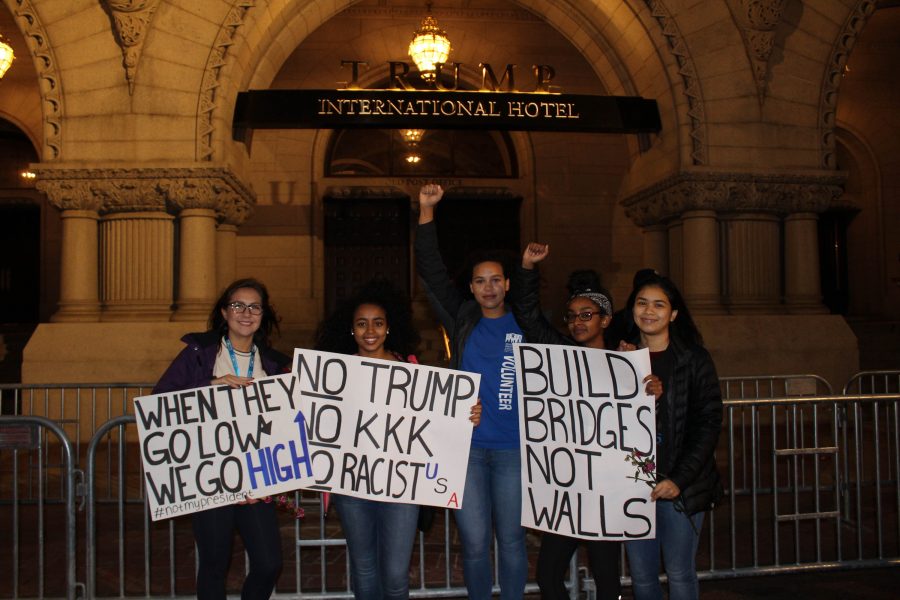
{"x":376,"y":429}
{"x":581,"y":413}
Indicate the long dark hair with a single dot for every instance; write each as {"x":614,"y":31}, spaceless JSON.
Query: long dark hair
{"x":335,"y":332}
{"x":270,"y":319}
{"x":682,"y":330}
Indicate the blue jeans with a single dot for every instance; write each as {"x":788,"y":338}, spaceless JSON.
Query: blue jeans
{"x":678,"y":542}
{"x":380,"y":538}
{"x":492,"y":503}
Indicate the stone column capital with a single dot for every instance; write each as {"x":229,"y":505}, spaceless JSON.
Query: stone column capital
{"x":147,"y":189}
{"x":69,"y":195}
{"x":723,"y":192}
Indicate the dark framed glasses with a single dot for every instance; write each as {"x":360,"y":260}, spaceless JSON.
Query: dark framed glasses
{"x":585,"y":315}
{"x":239,"y":308}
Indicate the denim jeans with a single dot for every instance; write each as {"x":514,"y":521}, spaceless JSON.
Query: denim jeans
{"x":380,"y":538}
{"x":492,"y":503}
{"x":678,"y":543}
{"x":214,"y":533}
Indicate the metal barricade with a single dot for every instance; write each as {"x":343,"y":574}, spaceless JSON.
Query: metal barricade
{"x":812,"y":482}
{"x":128,"y":554}
{"x":37,"y":488}
{"x":789,"y":514}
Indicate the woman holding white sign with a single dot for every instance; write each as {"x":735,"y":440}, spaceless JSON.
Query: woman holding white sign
{"x":688,"y":420}
{"x":380,"y":535}
{"x":588,"y":312}
{"x":234,"y":352}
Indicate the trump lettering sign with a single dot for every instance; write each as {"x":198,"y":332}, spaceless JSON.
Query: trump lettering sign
{"x":386,"y":430}
{"x":218,"y":445}
{"x":582,"y":413}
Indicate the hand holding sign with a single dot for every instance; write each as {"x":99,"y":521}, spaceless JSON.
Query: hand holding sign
{"x":220,"y":445}
{"x":580,"y":412}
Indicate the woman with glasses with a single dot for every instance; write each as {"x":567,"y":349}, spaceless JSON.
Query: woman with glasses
{"x":235,"y":351}
{"x":380,"y":535}
{"x":588,"y":312}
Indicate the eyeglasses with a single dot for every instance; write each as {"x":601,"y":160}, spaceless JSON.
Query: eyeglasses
{"x":239,"y":308}
{"x":585,"y":315}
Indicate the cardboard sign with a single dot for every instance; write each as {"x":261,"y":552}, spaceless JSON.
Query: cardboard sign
{"x":386,"y":430}
{"x":218,"y":445}
{"x":582,"y":412}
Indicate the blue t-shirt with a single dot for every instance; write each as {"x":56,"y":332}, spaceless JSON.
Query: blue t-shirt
{"x":489,"y":351}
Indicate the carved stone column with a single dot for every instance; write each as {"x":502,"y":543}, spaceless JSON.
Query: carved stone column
{"x":753,"y":265}
{"x":656,"y":248}
{"x":136,"y":254}
{"x":136,"y":246}
{"x":79,"y":298}
{"x":203,"y":197}
{"x":676,"y":253}
{"x":226,"y":254}
{"x":699,"y":197}
{"x":233,"y":211}
{"x":701,"y":288}
{"x":803,"y":293}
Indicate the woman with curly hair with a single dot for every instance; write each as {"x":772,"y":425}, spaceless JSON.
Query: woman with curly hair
{"x":380,"y":535}
{"x":233,"y":352}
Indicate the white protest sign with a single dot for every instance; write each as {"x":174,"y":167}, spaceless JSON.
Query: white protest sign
{"x":217,"y":445}
{"x":386,"y":430}
{"x":582,"y":412}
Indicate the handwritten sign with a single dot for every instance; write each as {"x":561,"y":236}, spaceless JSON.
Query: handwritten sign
{"x":214,"y":446}
{"x":386,"y":430}
{"x":581,"y":413}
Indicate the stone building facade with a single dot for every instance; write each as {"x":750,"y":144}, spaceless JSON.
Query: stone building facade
{"x":770,"y":194}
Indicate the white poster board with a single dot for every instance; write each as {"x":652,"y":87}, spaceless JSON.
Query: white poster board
{"x":386,"y":430}
{"x":213,"y":446}
{"x":582,"y":412}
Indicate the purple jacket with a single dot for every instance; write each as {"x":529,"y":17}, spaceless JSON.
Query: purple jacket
{"x":193,"y":367}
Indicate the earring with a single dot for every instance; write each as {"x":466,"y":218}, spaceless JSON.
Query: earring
{"x":388,"y":332}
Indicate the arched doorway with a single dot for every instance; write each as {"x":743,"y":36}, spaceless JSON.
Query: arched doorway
{"x":20,"y":250}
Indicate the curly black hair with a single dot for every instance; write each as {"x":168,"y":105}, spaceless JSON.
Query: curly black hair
{"x":335,"y":332}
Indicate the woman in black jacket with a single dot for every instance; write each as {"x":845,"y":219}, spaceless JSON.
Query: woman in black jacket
{"x":688,"y":421}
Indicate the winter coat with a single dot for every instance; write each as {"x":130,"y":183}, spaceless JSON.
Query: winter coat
{"x":193,"y":367}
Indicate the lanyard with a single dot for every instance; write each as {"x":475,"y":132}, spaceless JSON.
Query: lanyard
{"x":234,"y":364}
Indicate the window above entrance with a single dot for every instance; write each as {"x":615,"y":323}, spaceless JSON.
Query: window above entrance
{"x":422,"y":153}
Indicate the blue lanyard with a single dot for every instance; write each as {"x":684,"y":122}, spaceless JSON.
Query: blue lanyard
{"x":234,"y":364}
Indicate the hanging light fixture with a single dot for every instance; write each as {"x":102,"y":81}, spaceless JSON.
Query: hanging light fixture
{"x":412,"y":137}
{"x":7,"y":56}
{"x":429,"y":45}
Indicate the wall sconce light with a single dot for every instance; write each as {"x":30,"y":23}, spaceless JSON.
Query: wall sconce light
{"x":429,"y":45}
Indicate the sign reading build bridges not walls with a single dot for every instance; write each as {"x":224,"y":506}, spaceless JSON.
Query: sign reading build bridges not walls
{"x":399,"y":109}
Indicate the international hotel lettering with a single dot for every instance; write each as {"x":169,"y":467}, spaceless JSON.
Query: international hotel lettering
{"x":499,"y":103}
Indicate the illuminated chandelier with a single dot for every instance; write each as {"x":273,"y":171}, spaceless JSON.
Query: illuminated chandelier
{"x":412,"y":137}
{"x":429,"y":45}
{"x":7,"y":56}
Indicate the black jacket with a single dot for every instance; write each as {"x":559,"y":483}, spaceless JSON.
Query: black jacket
{"x":458,"y":316}
{"x":694,"y":421}
{"x":694,"y":400}
{"x":527,"y":309}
